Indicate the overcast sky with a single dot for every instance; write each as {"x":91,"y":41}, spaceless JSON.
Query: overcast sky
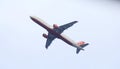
{"x":23,"y":47}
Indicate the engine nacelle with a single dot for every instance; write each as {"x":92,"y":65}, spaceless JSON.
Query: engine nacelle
{"x":55,"y":26}
{"x":45,"y":36}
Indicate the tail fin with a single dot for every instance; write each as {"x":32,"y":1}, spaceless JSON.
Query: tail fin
{"x":81,"y":43}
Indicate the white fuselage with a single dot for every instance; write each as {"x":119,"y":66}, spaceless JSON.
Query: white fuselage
{"x":50,"y":29}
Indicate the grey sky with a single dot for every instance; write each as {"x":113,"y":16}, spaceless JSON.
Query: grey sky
{"x":23,"y":47}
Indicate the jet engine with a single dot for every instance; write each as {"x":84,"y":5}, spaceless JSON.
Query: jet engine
{"x":45,"y":36}
{"x":55,"y":26}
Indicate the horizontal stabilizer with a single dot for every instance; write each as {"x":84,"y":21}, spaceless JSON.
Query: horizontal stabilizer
{"x":82,"y":46}
{"x":78,"y":50}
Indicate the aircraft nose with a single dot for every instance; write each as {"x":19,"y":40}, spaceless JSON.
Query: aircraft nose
{"x":34,"y":18}
{"x":31,"y":17}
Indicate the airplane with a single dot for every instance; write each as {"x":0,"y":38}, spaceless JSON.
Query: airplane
{"x":56,"y":31}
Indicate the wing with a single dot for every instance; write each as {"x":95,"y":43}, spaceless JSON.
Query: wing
{"x":49,"y":40}
{"x":63,"y":27}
